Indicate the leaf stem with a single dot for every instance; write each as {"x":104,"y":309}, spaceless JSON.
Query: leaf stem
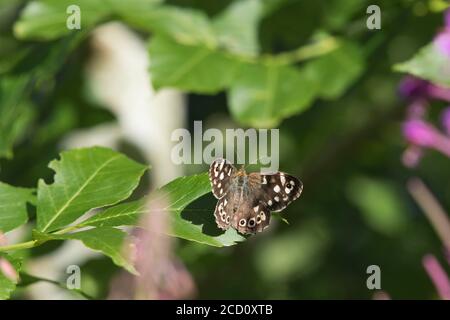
{"x":19,"y":246}
{"x":323,"y":46}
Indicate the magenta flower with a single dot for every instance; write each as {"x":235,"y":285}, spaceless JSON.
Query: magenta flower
{"x":415,"y":88}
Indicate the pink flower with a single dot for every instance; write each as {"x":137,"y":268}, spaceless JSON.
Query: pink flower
{"x":442,"y":42}
{"x":5,"y":266}
{"x":437,"y":276}
{"x":419,"y":133}
{"x":8,"y":270}
{"x":422,"y":134}
{"x":161,"y":274}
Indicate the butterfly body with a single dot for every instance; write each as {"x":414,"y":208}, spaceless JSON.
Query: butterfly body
{"x":245,"y":200}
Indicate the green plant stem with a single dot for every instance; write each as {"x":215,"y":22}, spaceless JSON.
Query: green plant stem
{"x":19,"y":246}
{"x":34,"y":243}
{"x":306,"y":52}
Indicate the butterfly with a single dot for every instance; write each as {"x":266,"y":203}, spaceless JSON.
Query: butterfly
{"x":246,"y":200}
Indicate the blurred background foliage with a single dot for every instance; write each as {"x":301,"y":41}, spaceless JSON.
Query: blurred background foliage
{"x":311,"y":68}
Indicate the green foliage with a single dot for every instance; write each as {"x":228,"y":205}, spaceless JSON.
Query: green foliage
{"x":237,"y":27}
{"x":16,"y":113}
{"x":193,"y":68}
{"x":195,"y":53}
{"x":176,"y":195}
{"x":8,"y":285}
{"x":96,"y":177}
{"x":109,"y":241}
{"x":13,"y":208}
{"x":379,"y":203}
{"x":85,"y":179}
{"x":266,"y":63}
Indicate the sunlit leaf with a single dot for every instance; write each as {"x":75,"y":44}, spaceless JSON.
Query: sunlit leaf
{"x":193,"y":225}
{"x":264,"y":94}
{"x":336,"y":71}
{"x":185,"y":26}
{"x":47,"y":19}
{"x":85,"y":179}
{"x":237,"y":26}
{"x":428,"y":64}
{"x":191,"y":68}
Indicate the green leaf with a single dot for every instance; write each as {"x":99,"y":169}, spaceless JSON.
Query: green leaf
{"x":109,"y":241}
{"x":193,"y":225}
{"x":428,"y":64}
{"x":16,"y":112}
{"x":177,"y":195}
{"x":336,"y":71}
{"x":85,"y":179}
{"x":190,"y":68}
{"x":7,"y":285}
{"x":13,"y":208}
{"x":47,"y":19}
{"x":264,"y":94}
{"x":185,"y":26}
{"x":237,"y":27}
{"x":120,"y":215}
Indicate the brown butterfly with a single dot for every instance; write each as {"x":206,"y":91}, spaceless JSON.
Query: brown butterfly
{"x":246,"y":200}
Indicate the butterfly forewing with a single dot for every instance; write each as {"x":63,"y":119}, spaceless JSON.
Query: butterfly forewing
{"x":221,"y":173}
{"x":278,"y":190}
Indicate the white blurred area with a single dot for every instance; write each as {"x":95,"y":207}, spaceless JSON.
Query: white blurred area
{"x":118,"y":77}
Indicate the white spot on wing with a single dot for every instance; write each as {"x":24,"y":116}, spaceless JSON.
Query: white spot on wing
{"x":276,"y":188}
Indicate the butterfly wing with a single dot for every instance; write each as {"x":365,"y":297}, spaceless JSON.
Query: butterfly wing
{"x":223,"y":213}
{"x":221,"y":172}
{"x":278,"y":190}
{"x":251,"y":217}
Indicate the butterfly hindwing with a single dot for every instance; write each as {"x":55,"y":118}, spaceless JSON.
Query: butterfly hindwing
{"x":223,"y":213}
{"x":221,"y":173}
{"x":251,"y":217}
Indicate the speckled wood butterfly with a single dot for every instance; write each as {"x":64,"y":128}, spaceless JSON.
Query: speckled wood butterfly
{"x":246,"y":200}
